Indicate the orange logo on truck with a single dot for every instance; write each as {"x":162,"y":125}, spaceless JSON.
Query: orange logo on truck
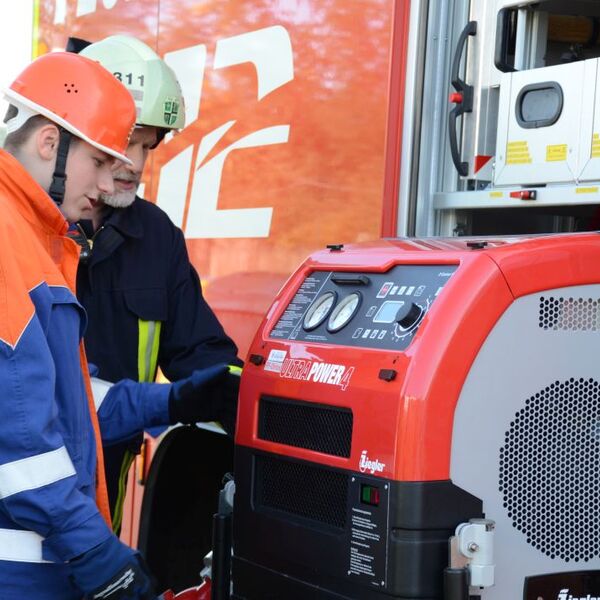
{"x":192,"y":202}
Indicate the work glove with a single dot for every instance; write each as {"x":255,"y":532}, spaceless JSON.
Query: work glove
{"x":209,"y":394}
{"x":112,"y":571}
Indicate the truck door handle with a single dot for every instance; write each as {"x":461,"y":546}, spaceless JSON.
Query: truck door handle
{"x":463,"y":98}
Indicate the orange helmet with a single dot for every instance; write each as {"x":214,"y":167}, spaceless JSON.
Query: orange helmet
{"x":79,"y":95}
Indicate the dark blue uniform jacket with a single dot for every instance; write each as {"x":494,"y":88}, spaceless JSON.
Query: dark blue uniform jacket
{"x":145,"y":306}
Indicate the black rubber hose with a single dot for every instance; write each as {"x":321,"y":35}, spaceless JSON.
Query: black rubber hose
{"x":456,"y":584}
{"x":221,"y":559}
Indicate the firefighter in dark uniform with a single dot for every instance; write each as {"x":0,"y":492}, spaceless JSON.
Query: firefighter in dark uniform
{"x":143,"y":297}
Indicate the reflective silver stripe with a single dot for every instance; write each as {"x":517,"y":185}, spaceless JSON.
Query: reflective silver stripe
{"x":99,"y":390}
{"x":21,"y":546}
{"x":35,"y":471}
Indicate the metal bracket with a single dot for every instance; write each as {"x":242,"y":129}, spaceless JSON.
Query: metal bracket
{"x":472,"y":547}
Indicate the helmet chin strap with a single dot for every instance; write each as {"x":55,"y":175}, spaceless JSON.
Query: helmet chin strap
{"x":57,"y":187}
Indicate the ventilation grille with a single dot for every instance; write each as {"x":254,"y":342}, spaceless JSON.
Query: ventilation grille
{"x":549,"y":467}
{"x":300,"y":489}
{"x":318,"y":427}
{"x":573,"y":314}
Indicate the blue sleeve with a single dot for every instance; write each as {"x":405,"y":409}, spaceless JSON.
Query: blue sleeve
{"x":192,"y":337}
{"x":129,"y":407}
{"x":47,"y":485}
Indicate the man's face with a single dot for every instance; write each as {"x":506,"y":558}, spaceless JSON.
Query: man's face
{"x":127,"y":177}
{"x":89,"y":175}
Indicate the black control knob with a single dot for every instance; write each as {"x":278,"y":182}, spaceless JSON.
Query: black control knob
{"x":408,"y":315}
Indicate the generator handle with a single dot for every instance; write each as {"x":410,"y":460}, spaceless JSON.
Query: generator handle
{"x":463,"y":98}
{"x":350,"y":279}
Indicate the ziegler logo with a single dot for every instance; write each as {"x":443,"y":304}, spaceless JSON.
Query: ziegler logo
{"x":319,"y":372}
{"x":373,"y":466}
{"x":564,"y":595}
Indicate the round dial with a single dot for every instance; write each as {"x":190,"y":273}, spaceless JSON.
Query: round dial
{"x":319,"y":311}
{"x":409,"y":315}
{"x":344,"y":311}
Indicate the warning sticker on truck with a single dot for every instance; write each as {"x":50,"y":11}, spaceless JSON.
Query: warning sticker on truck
{"x":556,"y":153}
{"x":517,"y":153}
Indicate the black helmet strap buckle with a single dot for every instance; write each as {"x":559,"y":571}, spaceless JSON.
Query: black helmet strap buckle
{"x":59,"y":177}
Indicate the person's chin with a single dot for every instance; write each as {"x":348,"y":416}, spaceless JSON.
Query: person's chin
{"x":71,"y":215}
{"x":120,"y":199}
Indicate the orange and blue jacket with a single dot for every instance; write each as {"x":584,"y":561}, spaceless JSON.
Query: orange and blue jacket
{"x":52,"y":497}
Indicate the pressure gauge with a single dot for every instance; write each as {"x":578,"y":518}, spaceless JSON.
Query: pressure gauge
{"x":319,"y":311}
{"x":344,"y":311}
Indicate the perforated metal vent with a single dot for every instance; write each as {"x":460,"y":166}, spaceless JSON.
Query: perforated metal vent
{"x":301,"y":489}
{"x":577,"y":314}
{"x":317,"y":427}
{"x":549,"y":470}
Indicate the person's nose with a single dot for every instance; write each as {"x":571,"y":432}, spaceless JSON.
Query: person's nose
{"x":106,"y":184}
{"x":135,"y":153}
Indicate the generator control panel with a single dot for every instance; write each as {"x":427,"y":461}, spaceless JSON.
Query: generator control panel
{"x":370,"y":310}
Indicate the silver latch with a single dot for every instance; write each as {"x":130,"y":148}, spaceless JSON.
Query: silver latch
{"x":472,"y":547}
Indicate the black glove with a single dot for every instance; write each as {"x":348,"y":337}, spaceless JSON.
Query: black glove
{"x":207,"y":395}
{"x":226,"y":402}
{"x":112,"y":571}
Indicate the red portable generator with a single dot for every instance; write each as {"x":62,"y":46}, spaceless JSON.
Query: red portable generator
{"x":421,"y":419}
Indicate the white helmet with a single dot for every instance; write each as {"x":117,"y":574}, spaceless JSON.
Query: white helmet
{"x":152,"y":83}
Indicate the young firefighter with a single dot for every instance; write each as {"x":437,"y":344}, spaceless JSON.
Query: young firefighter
{"x":68,"y":120}
{"x":142,"y":296}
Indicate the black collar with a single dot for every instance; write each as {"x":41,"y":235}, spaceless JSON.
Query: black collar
{"x":126,"y":221}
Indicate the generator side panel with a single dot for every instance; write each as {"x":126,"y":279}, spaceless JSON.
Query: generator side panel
{"x":526,"y":441}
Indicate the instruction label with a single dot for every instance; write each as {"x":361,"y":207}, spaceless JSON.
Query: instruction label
{"x":368,"y":535}
{"x":290,"y":321}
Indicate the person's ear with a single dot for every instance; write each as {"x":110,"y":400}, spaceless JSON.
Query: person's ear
{"x":47,"y":138}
